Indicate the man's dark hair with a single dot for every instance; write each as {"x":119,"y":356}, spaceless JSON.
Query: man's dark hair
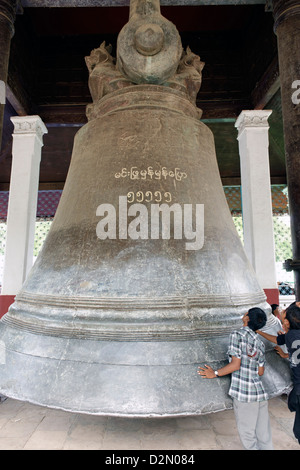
{"x":293,"y":316}
{"x":273,"y":307}
{"x":257,"y":318}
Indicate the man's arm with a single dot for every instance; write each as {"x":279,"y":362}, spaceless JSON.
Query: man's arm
{"x":261,"y":370}
{"x":209,"y":373}
{"x":271,"y":338}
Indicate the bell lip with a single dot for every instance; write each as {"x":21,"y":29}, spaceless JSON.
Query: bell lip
{"x":52,"y":372}
{"x":225,"y":405}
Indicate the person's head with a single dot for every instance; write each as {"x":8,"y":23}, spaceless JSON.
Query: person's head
{"x":274,"y":308}
{"x":291,"y":317}
{"x":255,"y":318}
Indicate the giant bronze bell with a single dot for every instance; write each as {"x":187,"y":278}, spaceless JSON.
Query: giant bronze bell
{"x":142,"y":276}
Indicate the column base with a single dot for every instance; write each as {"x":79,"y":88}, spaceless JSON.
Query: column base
{"x":5,"y":303}
{"x":272,"y":296}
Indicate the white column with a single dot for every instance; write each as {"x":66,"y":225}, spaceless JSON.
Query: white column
{"x":22,"y":204}
{"x":256,"y":194}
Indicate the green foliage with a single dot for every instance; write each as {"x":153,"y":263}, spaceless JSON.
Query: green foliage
{"x":42,"y":228}
{"x":2,"y":237}
{"x":238,"y":222}
{"x":282,"y":236}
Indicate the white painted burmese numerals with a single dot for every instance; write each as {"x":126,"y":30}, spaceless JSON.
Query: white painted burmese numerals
{"x":148,"y":214}
{"x":148,"y":196}
{"x":133,"y":173}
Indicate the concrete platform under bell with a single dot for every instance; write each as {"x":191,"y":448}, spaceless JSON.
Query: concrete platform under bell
{"x":24,"y":426}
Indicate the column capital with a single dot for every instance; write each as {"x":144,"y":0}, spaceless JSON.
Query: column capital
{"x":254,"y":118}
{"x":29,"y":125}
{"x":283,"y":9}
{"x":8,"y":11}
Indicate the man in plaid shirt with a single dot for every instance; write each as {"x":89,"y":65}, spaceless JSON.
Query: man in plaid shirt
{"x":247,"y":358}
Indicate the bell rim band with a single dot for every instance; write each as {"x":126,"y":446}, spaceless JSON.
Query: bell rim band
{"x":87,"y":302}
{"x":109,"y":325}
{"x":122,"y":332}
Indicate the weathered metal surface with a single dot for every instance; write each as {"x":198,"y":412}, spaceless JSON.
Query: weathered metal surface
{"x":148,"y":51}
{"x":121,"y":307}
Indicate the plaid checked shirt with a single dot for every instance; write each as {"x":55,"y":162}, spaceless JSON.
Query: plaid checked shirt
{"x":246,"y":385}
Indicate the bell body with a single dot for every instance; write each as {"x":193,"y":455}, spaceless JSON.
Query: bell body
{"x":142,"y":276}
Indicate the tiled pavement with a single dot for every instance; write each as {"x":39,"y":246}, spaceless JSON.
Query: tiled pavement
{"x":24,"y":426}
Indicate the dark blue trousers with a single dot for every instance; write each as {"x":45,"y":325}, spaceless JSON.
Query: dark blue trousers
{"x":294,"y":405}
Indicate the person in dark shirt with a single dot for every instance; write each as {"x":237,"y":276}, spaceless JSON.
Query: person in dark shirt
{"x":291,"y":338}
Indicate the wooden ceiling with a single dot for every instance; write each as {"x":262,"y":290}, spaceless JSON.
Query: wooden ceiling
{"x":48,"y":76}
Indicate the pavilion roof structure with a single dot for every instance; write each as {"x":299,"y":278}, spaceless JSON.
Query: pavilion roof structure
{"x":48,"y":76}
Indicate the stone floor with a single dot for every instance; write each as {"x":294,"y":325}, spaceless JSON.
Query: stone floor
{"x":24,"y":426}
